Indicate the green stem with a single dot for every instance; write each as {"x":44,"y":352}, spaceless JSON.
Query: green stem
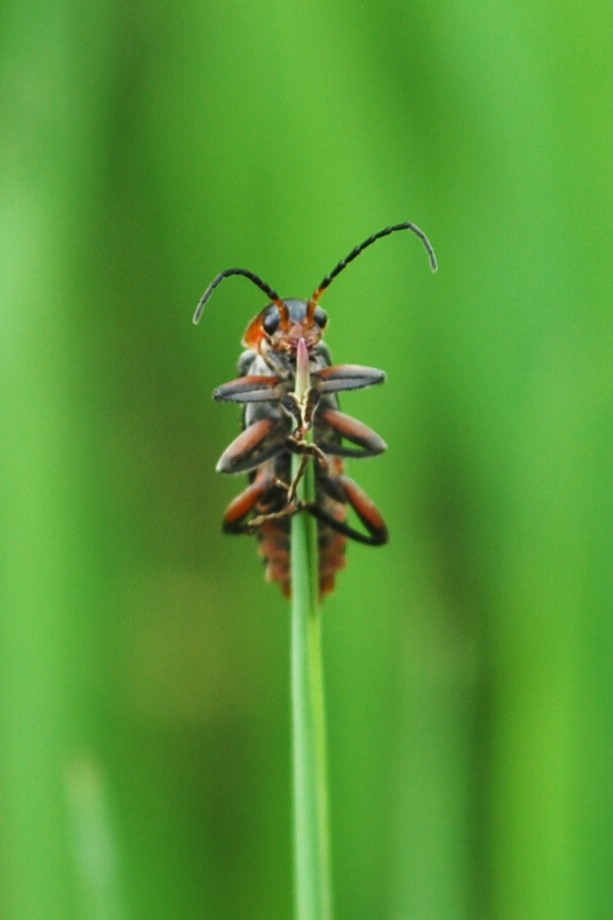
{"x":311,"y":831}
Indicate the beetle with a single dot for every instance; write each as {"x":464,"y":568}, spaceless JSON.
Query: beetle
{"x":277,"y":423}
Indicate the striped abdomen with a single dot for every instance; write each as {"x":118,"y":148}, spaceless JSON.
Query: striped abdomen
{"x":275,"y":535}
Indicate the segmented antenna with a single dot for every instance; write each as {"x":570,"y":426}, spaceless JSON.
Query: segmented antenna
{"x":359,"y":249}
{"x":266,"y":288}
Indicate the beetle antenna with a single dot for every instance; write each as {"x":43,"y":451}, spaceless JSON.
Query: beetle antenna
{"x":359,"y":249}
{"x":266,"y":288}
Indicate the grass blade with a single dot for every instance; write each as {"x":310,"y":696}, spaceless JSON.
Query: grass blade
{"x":311,"y":829}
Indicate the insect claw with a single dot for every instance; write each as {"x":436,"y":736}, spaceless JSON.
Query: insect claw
{"x":291,"y":508}
{"x":299,"y":446}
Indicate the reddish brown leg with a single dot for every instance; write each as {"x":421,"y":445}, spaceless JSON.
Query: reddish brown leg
{"x":258,"y":442}
{"x":344,"y":489}
{"x":263,"y":488}
{"x":342,"y":377}
{"x":370,"y":444}
{"x":240,"y":507}
{"x":249,"y":389}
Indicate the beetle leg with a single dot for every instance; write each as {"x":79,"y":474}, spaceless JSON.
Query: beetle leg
{"x":261,"y":489}
{"x":288,"y":510}
{"x":307,"y":450}
{"x":249,"y":389}
{"x":344,"y":489}
{"x":301,"y":410}
{"x":370,"y":444}
{"x":341,"y":377}
{"x":292,"y":406}
{"x":258,"y":442}
{"x":241,"y":506}
{"x":298,"y":445}
{"x":310,"y":402}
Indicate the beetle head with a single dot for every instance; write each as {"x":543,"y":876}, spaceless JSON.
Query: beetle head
{"x":280,"y":326}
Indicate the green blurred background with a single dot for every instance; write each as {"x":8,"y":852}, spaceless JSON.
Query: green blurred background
{"x":144,"y":733}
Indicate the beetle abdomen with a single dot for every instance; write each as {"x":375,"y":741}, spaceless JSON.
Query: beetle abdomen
{"x":274,"y":535}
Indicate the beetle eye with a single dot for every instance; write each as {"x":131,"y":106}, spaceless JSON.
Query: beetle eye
{"x":271,"y":320}
{"x":321,"y":317}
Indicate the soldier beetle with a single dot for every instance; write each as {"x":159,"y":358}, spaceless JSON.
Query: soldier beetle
{"x":279,"y":422}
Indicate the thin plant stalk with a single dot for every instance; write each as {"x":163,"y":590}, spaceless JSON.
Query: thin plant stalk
{"x":311,"y":825}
